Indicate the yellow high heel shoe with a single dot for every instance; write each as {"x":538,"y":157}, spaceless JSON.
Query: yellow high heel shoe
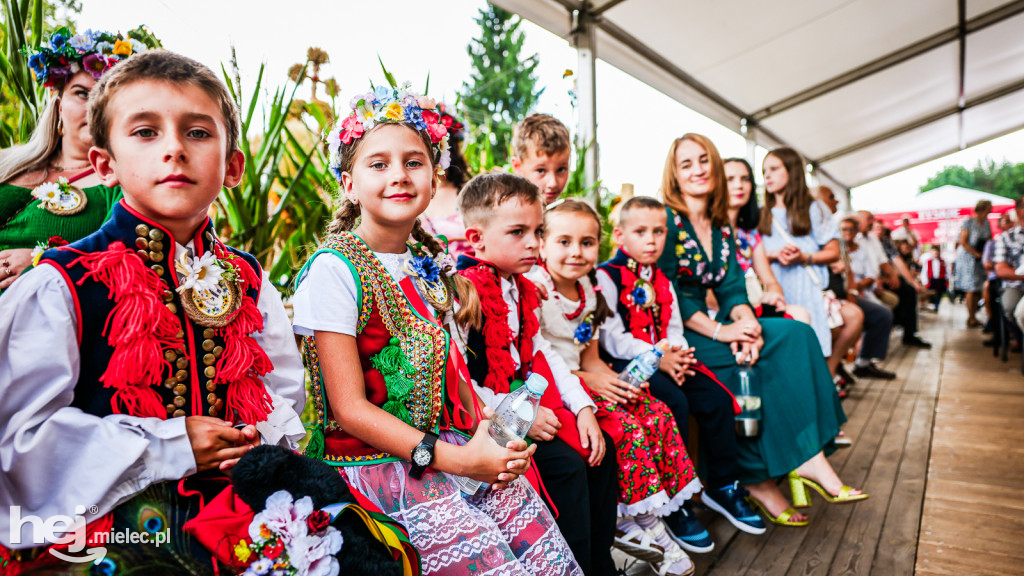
{"x":801,"y":498}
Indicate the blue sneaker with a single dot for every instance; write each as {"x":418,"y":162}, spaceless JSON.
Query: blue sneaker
{"x":730,"y":501}
{"x":688,"y":532}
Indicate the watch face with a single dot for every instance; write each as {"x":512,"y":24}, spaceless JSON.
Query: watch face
{"x":421,"y":456}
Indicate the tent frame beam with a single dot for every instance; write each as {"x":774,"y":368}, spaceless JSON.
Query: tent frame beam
{"x":895,"y":58}
{"x":924,"y":121}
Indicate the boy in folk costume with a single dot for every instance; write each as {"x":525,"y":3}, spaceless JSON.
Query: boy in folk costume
{"x":542,"y":146}
{"x":142,"y":361}
{"x":503,"y":215}
{"x":646,"y":311}
{"x":395,"y":411}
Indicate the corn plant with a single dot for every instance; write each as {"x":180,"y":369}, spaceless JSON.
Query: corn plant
{"x":281,"y":205}
{"x":21,"y":99}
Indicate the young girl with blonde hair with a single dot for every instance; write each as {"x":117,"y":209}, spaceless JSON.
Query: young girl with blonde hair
{"x":405,"y":425}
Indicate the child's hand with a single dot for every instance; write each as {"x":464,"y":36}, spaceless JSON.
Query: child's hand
{"x":545,"y":426}
{"x":611,"y":388}
{"x":590,"y":435}
{"x":216,"y":444}
{"x":487,"y":462}
{"x":674,"y":363}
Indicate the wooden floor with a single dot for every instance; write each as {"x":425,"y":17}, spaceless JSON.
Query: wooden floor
{"x":939,"y":451}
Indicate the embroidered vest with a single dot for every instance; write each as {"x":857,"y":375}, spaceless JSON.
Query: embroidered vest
{"x":648,"y":324}
{"x":409,"y":366}
{"x":189,"y":367}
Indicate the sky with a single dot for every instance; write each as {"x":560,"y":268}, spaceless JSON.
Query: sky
{"x":413,"y":40}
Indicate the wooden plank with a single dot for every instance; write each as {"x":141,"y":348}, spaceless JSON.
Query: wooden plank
{"x":829,"y":522}
{"x":897,"y":551}
{"x":860,"y":540}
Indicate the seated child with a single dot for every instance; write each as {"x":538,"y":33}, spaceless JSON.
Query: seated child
{"x":541,"y":144}
{"x":646,"y":311}
{"x":655,"y":473}
{"x":144,"y":360}
{"x":392,"y":394}
{"x":503,"y":215}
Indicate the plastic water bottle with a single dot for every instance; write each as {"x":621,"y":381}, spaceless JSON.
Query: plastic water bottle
{"x":641,"y":368}
{"x":748,"y":421}
{"x":511,"y":420}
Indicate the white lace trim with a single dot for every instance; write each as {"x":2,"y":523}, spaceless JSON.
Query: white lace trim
{"x":659,"y":503}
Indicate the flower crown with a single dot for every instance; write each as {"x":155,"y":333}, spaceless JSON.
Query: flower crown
{"x":396,"y":105}
{"x":456,"y":129}
{"x":63,"y":55}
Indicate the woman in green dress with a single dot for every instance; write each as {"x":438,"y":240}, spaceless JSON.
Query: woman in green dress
{"x":801,"y":412}
{"x":49,"y":194}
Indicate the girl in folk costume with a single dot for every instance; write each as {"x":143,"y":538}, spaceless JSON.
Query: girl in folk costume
{"x":655,"y":473}
{"x":402,"y":428}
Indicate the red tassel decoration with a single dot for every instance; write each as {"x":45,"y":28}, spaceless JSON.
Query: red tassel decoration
{"x":139,"y":328}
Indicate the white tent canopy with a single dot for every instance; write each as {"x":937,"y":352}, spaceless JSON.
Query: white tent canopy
{"x":942,"y":198}
{"x":862,"y":88}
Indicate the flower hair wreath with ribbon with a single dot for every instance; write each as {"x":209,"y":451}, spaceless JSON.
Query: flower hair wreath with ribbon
{"x":391,"y":104}
{"x":63,"y":55}
{"x":289,"y":538}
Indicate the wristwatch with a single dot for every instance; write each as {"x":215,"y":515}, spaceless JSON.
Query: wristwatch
{"x":422,"y":455}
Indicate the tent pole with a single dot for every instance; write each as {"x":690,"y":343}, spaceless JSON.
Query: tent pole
{"x":584,"y":40}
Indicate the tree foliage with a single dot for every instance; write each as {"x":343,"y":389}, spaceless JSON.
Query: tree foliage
{"x":1004,"y":179}
{"x":502,"y":87}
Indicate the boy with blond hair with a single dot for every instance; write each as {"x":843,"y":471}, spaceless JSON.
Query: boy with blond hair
{"x":542,"y":145}
{"x":504,"y":224}
{"x":144,"y":360}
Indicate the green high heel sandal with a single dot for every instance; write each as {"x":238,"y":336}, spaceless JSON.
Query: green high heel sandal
{"x":800,"y":484}
{"x":801,"y":499}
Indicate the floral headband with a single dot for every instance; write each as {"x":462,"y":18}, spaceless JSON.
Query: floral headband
{"x":64,"y":55}
{"x":395,"y":105}
{"x":456,"y":129}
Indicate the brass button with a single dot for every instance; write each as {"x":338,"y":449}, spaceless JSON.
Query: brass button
{"x":218,"y":351}
{"x":156,"y":246}
{"x":179,"y":401}
{"x":172,"y":307}
{"x":212,"y":411}
{"x":178,"y":413}
{"x":220,"y":403}
{"x":170,"y":383}
{"x":141,"y":243}
{"x":209,"y":359}
{"x":180,"y":390}
{"x":211,"y":385}
{"x":168,"y":295}
{"x":156,"y":234}
{"x":208,"y":345}
{"x":210,"y":372}
{"x":182,"y":363}
{"x":210,"y":236}
{"x":180,"y":335}
{"x":158,"y":269}
{"x":144,"y":255}
{"x":170,"y":355}
{"x":181,"y":375}
{"x":209,"y":333}
{"x":156,"y":256}
{"x":142,"y":229}
{"x":170,"y":408}
{"x":211,"y":399}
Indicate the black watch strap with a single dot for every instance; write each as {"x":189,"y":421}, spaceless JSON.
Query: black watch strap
{"x":422,"y":455}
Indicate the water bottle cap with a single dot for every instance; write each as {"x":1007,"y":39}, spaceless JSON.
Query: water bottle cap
{"x":536,"y":384}
{"x":662,"y":346}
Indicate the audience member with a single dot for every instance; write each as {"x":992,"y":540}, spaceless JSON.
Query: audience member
{"x":1008,"y":259}
{"x":969,"y":273}
{"x":877,"y":316}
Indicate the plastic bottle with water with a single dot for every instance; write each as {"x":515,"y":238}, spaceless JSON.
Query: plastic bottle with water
{"x":748,"y":421}
{"x":641,"y":368}
{"x":511,"y":421}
